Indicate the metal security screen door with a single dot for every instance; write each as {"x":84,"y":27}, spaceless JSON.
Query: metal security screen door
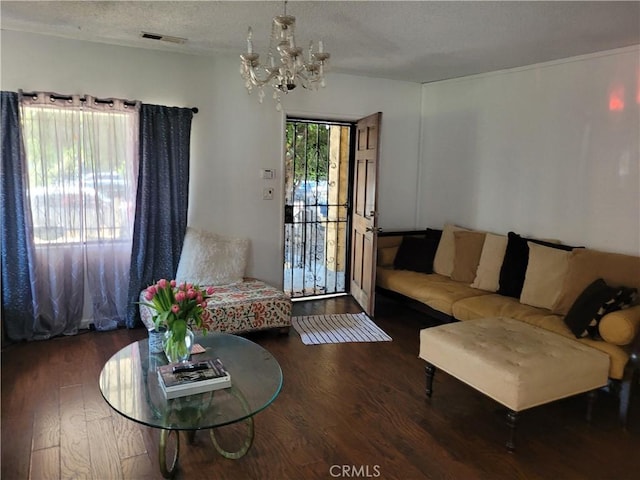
{"x":317,"y":214}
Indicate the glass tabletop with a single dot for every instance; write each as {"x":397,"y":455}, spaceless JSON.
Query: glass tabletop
{"x":129,"y":383}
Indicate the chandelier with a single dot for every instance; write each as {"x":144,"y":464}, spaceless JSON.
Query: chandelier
{"x":287,"y":65}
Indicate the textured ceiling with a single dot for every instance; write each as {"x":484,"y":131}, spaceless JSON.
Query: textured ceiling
{"x":414,"y":41}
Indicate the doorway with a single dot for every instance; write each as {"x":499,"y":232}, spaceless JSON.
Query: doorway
{"x":317,"y":207}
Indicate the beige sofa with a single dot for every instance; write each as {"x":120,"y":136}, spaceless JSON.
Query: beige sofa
{"x":560,"y":281}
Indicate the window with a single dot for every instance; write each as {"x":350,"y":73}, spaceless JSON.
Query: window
{"x":81,"y":166}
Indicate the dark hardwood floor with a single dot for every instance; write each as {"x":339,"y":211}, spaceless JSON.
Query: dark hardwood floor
{"x":356,"y":405}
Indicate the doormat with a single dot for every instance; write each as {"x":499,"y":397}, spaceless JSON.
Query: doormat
{"x":338,"y":328}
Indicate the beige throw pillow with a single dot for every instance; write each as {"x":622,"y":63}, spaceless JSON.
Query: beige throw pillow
{"x":546,"y":271}
{"x":386,"y":256}
{"x":211,"y":259}
{"x":468,"y":247}
{"x":443,"y":261}
{"x":488,"y":272}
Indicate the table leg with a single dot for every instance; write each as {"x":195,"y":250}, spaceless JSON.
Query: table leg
{"x":250,"y":427}
{"x":168,"y":471}
{"x":245,"y":446}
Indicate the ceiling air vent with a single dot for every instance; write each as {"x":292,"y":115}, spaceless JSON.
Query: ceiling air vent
{"x":162,"y":38}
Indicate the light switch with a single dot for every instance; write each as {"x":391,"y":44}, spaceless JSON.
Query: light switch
{"x":267,"y":174}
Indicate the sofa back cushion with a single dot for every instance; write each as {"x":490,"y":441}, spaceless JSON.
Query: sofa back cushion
{"x":516,"y":259}
{"x":586,"y":266}
{"x":468,"y":248}
{"x":488,"y":272}
{"x":443,"y":261}
{"x":387,"y":256}
{"x":544,"y":278}
{"x":416,"y":254}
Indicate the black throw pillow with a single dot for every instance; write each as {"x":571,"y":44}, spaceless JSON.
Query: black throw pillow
{"x":433,"y":234}
{"x":515,"y":262}
{"x":514,"y":266}
{"x":591,"y":305}
{"x":416,"y":254}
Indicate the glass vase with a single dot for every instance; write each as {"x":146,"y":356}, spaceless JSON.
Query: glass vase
{"x":178,"y":349}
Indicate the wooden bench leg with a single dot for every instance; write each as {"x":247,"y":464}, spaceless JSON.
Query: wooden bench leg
{"x":591,"y":401}
{"x":430,"y":371}
{"x":512,"y":421}
{"x":628,"y":387}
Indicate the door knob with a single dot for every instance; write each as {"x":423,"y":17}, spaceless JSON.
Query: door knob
{"x":373,"y":229}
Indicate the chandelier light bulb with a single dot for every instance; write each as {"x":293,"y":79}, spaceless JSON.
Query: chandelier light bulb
{"x":249,"y":44}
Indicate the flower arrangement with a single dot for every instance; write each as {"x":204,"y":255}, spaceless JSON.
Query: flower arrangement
{"x":178,"y":307}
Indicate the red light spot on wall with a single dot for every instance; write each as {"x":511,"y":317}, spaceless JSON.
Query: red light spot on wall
{"x":616,"y":100}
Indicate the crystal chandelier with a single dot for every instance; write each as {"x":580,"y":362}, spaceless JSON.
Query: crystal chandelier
{"x":287,"y":66}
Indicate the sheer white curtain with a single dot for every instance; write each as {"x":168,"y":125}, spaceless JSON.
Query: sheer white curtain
{"x":82,"y":163}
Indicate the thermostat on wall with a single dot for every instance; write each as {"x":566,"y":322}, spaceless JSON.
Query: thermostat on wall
{"x":267,"y":174}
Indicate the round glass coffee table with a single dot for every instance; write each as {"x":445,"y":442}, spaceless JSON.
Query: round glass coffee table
{"x":129,"y":384}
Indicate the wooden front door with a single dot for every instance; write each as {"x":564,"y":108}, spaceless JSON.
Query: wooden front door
{"x":365,"y":216}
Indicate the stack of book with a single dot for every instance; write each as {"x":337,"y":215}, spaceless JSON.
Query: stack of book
{"x":189,"y":378}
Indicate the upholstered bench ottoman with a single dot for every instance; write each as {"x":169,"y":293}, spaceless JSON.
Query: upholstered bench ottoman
{"x":516,"y":364}
{"x":240,"y":307}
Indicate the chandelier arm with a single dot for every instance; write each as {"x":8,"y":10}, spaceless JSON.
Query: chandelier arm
{"x":256,"y":80}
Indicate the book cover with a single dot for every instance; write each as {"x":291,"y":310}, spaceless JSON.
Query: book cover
{"x":189,"y":378}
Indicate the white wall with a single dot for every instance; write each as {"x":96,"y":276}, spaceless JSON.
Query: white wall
{"x":233,"y":136}
{"x":245,"y":136}
{"x":545,"y":150}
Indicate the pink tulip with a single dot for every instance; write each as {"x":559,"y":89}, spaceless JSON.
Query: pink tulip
{"x":199,"y":298}
{"x":148,"y":295}
{"x":191,"y":294}
{"x":172,"y":283}
{"x":162,"y":283}
{"x":189,"y":286}
{"x":180,"y":296}
{"x":152,"y":289}
{"x":203,"y":304}
{"x":210,"y":291}
{"x":175,"y":308}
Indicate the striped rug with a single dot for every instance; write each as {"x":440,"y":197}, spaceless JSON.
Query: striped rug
{"x":338,"y":328}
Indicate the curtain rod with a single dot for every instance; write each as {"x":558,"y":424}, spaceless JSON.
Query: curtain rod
{"x":83,"y":99}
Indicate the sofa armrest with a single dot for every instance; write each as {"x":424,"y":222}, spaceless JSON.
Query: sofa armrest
{"x":621,"y":327}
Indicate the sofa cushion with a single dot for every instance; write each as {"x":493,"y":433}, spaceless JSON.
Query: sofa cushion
{"x":389,"y":241}
{"x":468,"y":247}
{"x":443,"y":261}
{"x":590,"y":306}
{"x":433,"y":233}
{"x":488,"y":272}
{"x":545,"y":274}
{"x":514,"y":266}
{"x":620,"y":327}
{"x":495,"y":305}
{"x":211,"y":259}
{"x":586,"y":266}
{"x":386,"y":256}
{"x":416,"y":254}
{"x":436,"y":291}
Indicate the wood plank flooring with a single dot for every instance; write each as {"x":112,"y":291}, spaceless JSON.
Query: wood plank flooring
{"x":345,"y":411}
